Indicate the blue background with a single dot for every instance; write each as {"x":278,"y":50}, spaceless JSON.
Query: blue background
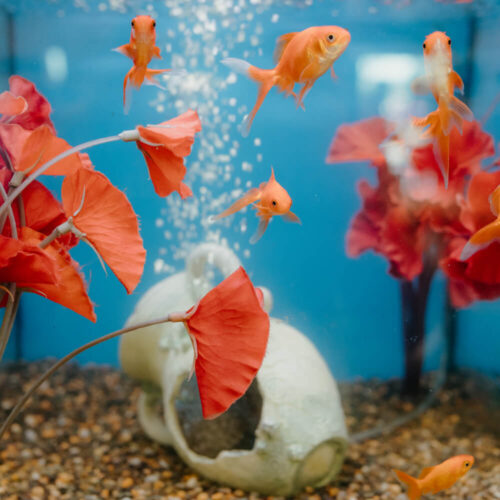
{"x":349,"y":308}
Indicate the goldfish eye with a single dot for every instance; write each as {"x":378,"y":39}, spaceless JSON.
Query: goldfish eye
{"x":132,"y":23}
{"x":424,"y":46}
{"x":274,"y":203}
{"x":467,"y":464}
{"x":154,"y":24}
{"x":449,"y":41}
{"x":331,"y":38}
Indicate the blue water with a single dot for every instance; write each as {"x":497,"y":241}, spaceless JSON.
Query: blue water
{"x":349,"y":308}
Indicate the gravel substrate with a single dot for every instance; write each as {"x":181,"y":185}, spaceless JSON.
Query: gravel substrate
{"x":80,"y":439}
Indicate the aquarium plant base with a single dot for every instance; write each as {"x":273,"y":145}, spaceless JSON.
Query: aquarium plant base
{"x":80,"y":439}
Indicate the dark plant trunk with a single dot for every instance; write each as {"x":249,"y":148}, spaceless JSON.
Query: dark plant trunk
{"x":450,"y":331}
{"x":414,"y":304}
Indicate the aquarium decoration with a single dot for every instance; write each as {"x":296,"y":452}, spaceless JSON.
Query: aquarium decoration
{"x":228,"y":327}
{"x":288,"y":430}
{"x":421,"y":226}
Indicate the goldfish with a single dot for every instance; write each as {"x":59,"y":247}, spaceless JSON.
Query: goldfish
{"x":269,"y":199}
{"x":488,"y":234}
{"x":141,"y":49}
{"x":441,"y":80}
{"x":301,"y":57}
{"x":437,"y":478}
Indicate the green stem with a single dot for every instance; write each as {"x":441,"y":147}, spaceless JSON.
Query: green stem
{"x":27,"y":395}
{"x":86,"y":145}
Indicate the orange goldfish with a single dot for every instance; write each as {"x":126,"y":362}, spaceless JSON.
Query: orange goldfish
{"x":141,"y":49}
{"x":488,"y":234}
{"x":301,"y":57}
{"x":437,"y":478}
{"x":269,"y":199}
{"x":441,"y":80}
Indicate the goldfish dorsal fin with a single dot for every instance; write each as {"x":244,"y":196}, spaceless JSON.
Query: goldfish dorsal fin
{"x":281,"y":45}
{"x":272,"y":178}
{"x":425,"y":472}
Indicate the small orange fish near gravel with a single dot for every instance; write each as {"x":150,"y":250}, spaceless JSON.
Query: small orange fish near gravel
{"x":437,"y":478}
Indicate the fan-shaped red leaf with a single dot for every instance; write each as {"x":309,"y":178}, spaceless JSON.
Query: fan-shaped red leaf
{"x":34,"y":148}
{"x":109,"y":222}
{"x":70,"y":290}
{"x":231,"y":331}
{"x":360,"y":142}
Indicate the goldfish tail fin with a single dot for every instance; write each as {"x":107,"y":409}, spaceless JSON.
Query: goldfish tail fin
{"x":442,"y":155}
{"x":265,"y":77}
{"x":483,"y":238}
{"x":245,"y":200}
{"x":127,"y":94}
{"x":414,"y":492}
{"x":261,"y":229}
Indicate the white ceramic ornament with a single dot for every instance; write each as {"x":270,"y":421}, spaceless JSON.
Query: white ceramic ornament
{"x":285,"y":433}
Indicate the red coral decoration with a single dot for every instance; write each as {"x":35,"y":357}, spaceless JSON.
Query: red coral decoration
{"x":230,"y":331}
{"x":164,"y":147}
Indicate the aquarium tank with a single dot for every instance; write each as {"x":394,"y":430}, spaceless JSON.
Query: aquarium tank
{"x":249,"y":248}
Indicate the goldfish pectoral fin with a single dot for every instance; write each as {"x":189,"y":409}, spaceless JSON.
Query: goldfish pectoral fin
{"x":151,"y":80}
{"x":461,"y":109}
{"x":156,"y":52}
{"x":414,"y":491}
{"x":332,"y":72}
{"x":421,"y":85}
{"x":457,"y":81}
{"x":420,"y":122}
{"x":126,"y":50}
{"x":264,"y":222}
{"x":281,"y":45}
{"x":291,"y":217}
{"x":244,"y":201}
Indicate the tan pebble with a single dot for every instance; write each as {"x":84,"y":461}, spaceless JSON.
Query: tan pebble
{"x":49,"y":433}
{"x":37,"y":492}
{"x":309,"y":489}
{"x":239,"y":493}
{"x":167,"y":474}
{"x":104,"y":493}
{"x":158,"y":485}
{"x":127,"y":483}
{"x":333,"y":492}
{"x":217,"y":496}
{"x":202,"y":496}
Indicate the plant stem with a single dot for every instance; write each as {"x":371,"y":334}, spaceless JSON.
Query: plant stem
{"x":414,"y":302}
{"x":10,"y":212}
{"x":450,"y":331}
{"x":26,"y":396}
{"x":45,"y":166}
{"x":8,"y":317}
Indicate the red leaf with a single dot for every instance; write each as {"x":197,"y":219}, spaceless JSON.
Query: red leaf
{"x":70,"y":290}
{"x":109,"y":222}
{"x":172,"y":141}
{"x":39,"y":109}
{"x":231,"y":331}
{"x":360,"y":142}
{"x":28,"y":148}
{"x":10,"y":105}
{"x":21,"y":262}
